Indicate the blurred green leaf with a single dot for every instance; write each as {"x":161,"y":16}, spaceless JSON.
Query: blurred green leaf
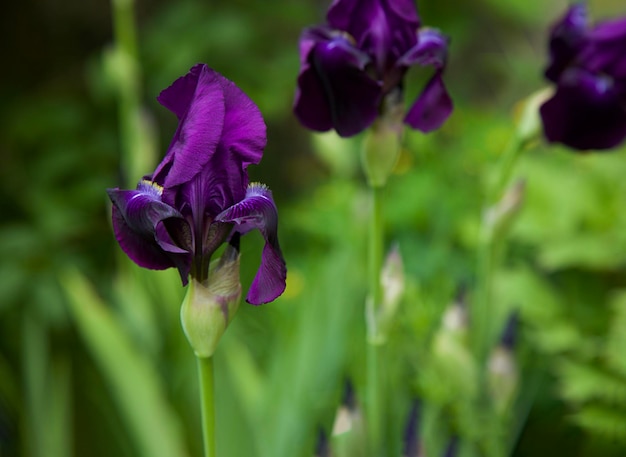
{"x":134,"y":383}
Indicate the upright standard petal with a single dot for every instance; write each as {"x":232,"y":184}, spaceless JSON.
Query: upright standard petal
{"x":334,"y":90}
{"x":222,"y":180}
{"x":244,"y":132}
{"x":136,"y":216}
{"x":258,"y":211}
{"x":198,"y":100}
{"x":385,"y":29}
{"x":605,"y":51}
{"x":566,"y":39}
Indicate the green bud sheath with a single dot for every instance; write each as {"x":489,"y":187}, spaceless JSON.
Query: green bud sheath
{"x":382,"y":142}
{"x":529,"y":124}
{"x":209,"y":306}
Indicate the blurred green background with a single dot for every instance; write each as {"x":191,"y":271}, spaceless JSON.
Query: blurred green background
{"x":93,"y":361}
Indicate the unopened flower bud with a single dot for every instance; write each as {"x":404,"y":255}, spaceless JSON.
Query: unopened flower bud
{"x":392,"y":283}
{"x":455,"y":318}
{"x":349,"y":428}
{"x":348,"y":412}
{"x":502,"y":367}
{"x":381,"y":147}
{"x":529,"y":126}
{"x":209,"y":306}
{"x":500,"y":215}
{"x":454,"y":364}
{"x":392,"y":280}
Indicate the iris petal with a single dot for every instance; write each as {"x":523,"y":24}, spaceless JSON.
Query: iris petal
{"x":244,"y":129}
{"x":434,"y":104}
{"x":566,"y":40}
{"x":384,"y":29}
{"x":606,"y":49}
{"x":584,"y":113}
{"x":431,"y":49}
{"x":198,"y":100}
{"x":432,"y":108}
{"x":136,"y":215}
{"x":334,"y":91}
{"x":258,"y":211}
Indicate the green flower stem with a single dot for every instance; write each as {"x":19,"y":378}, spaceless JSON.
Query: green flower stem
{"x":489,"y":248}
{"x":373,"y":410}
{"x":123,"y":67}
{"x":373,"y":381}
{"x":124,"y":26}
{"x":205,"y":372}
{"x":506,"y":167}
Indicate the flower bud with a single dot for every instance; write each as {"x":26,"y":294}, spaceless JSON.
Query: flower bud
{"x":499,"y":217}
{"x":348,"y":411}
{"x":348,"y":432}
{"x":392,"y":280}
{"x":502,"y":367}
{"x":393,"y":284}
{"x":528,"y":117}
{"x":381,"y":147}
{"x":454,"y":365}
{"x":209,"y":306}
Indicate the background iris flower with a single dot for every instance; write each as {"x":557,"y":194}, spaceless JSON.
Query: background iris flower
{"x":588,"y":66}
{"x":349,"y":66}
{"x":199,"y":195}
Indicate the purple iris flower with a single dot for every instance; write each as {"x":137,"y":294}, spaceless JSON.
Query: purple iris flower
{"x":350,"y":65}
{"x":199,"y":196}
{"x":588,"y":66}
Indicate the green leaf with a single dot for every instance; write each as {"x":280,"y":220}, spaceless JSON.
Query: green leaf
{"x":603,"y":421}
{"x":134,"y":383}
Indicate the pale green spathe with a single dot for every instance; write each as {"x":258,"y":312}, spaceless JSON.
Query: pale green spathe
{"x":209,"y":306}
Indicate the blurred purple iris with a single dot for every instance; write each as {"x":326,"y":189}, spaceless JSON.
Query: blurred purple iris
{"x":350,"y":65}
{"x":199,"y":196}
{"x":588,"y":66}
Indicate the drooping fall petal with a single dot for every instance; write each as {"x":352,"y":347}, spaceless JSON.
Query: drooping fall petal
{"x":432,"y":107}
{"x":584,"y":113}
{"x":258,"y":211}
{"x":136,"y":216}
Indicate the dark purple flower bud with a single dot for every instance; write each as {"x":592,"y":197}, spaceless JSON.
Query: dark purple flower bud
{"x":199,"y":195}
{"x":588,"y":66}
{"x":350,"y":65}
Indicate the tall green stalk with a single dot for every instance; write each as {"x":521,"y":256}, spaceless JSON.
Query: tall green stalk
{"x":123,"y":66}
{"x":207,"y":404}
{"x":381,"y":149}
{"x":500,"y":205}
{"x":490,"y":238}
{"x":374,"y":392}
